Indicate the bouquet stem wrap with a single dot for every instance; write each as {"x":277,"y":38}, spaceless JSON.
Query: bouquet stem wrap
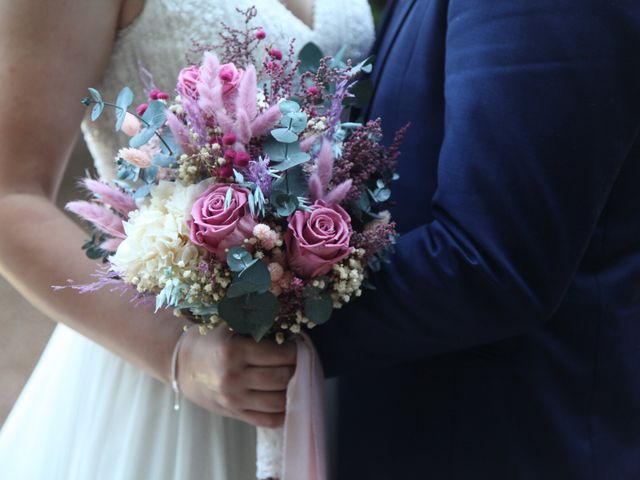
{"x":297,"y":451}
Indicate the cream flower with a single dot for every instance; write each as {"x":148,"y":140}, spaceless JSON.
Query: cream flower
{"x":157,"y":247}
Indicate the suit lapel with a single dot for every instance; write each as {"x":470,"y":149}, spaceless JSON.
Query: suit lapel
{"x":395,"y":17}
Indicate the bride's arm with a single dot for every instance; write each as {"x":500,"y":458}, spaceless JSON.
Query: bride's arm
{"x":48,"y":57}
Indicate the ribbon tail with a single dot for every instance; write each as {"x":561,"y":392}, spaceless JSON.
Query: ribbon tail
{"x":304,"y":454}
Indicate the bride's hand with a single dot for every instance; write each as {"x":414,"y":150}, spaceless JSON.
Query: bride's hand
{"x":235,"y":376}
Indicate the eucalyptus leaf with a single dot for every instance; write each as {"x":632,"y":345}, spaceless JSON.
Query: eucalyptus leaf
{"x":163,"y":161}
{"x":142,"y":138}
{"x":292,"y":160}
{"x":143,"y":191}
{"x":319,"y":308}
{"x":173,"y":145}
{"x":310,"y":57}
{"x":95,"y":95}
{"x":238,"y":259}
{"x":289,"y":106}
{"x":149,"y":174}
{"x":96,"y":111}
{"x":155,"y":114}
{"x":257,"y":274}
{"x":275,"y":150}
{"x":123,"y":102}
{"x":252,"y":314}
{"x":284,"y":135}
{"x":380,"y":195}
{"x":296,"y":181}
{"x":284,"y":203}
{"x":295,"y":121}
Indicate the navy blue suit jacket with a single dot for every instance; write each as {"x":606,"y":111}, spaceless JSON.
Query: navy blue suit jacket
{"x":503,"y":341}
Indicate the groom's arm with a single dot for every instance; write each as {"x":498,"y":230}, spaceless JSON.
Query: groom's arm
{"x":542,"y":106}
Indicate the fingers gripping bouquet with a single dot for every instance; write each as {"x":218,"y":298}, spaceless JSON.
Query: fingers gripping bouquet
{"x":246,"y":200}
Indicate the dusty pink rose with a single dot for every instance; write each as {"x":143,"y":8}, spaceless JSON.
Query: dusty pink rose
{"x":216,"y":228}
{"x":317,"y":240}
{"x":230,"y":77}
{"x":188,"y":82}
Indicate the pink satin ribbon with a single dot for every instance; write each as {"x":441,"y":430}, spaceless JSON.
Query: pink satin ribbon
{"x":304,"y":436}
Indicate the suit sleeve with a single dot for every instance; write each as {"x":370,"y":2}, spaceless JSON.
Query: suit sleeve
{"x":541,"y":110}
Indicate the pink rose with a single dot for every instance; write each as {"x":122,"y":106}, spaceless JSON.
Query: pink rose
{"x":216,"y":228}
{"x":230,"y":77}
{"x":319,"y":239}
{"x":188,"y":82}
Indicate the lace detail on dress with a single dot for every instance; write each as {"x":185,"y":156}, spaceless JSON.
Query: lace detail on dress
{"x":163,"y":34}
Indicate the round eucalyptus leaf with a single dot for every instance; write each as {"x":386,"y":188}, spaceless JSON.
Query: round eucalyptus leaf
{"x":95,"y":95}
{"x":142,"y":138}
{"x":284,"y":135}
{"x":310,"y":56}
{"x":252,"y":314}
{"x":96,"y":111}
{"x":318,"y":308}
{"x":295,"y":121}
{"x":289,"y":106}
{"x":238,"y":259}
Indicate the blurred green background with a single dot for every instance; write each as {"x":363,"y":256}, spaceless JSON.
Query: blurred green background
{"x":377,"y":6}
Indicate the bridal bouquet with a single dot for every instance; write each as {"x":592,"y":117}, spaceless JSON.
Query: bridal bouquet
{"x":245,"y":198}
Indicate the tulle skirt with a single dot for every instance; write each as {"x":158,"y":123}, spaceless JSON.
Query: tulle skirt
{"x":85,"y":414}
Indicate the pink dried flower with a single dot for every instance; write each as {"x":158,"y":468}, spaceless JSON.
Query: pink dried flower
{"x":267,"y":237}
{"x":313,"y":90}
{"x":140,"y":109}
{"x":261,"y":34}
{"x":188,"y":82}
{"x":377,"y":237}
{"x":275,"y":53}
{"x":276,"y":271}
{"x":225,"y":171}
{"x":100,"y":217}
{"x":230,"y":155}
{"x":136,"y":157}
{"x":229,"y":138}
{"x":242,"y":159}
{"x":156,"y":94}
{"x":108,"y":195}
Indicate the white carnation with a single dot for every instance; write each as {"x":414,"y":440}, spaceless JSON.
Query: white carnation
{"x":157,"y":246}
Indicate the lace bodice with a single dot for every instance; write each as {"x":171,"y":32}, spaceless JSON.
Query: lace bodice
{"x":163,"y":34}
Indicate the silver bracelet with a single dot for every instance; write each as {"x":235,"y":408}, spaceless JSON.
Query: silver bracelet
{"x":174,"y":368}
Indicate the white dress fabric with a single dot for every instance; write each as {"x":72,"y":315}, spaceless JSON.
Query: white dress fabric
{"x":85,"y":414}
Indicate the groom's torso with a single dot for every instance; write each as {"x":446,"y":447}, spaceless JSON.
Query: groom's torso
{"x":563,"y":402}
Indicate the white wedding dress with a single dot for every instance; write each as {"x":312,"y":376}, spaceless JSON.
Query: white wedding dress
{"x":85,"y":414}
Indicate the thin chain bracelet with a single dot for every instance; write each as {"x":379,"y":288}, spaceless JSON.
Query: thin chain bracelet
{"x":174,"y":367}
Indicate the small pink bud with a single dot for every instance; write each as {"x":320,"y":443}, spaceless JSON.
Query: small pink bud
{"x":225,"y":171}
{"x":229,"y":138}
{"x":163,"y":96}
{"x":261,"y":34}
{"x":313,"y":90}
{"x":275,"y":53}
{"x":242,"y":159}
{"x":153,"y":94}
{"x":140,"y":109}
{"x":230,"y":154}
